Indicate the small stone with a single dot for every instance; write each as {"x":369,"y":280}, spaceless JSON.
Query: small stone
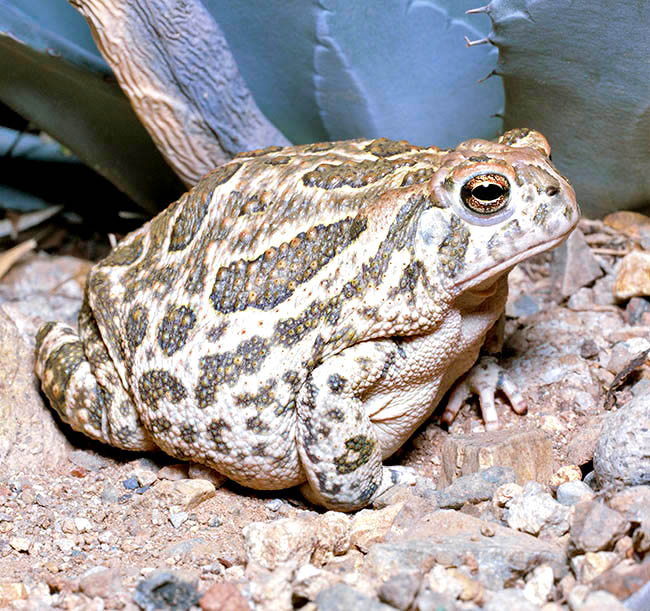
{"x":12,"y":591}
{"x":588,"y":566}
{"x":341,"y":597}
{"x":178,"y":518}
{"x":174,"y":473}
{"x":106,"y":536}
{"x":633,"y":276}
{"x":537,"y":513}
{"x":165,"y":590}
{"x":90,"y":462}
{"x":596,"y":527}
{"x":271,"y":591}
{"x":83,"y":525}
{"x":637,"y":311}
{"x":527,"y":452}
{"x":509,"y":599}
{"x":310,"y":580}
{"x":287,"y":540}
{"x":131,"y":483}
{"x":525,"y":305}
{"x":145,"y":477}
{"x":400,"y":589}
{"x":474,"y":488}
{"x":274,"y":504}
{"x":20,"y":544}
{"x":198,"y":471}
{"x":333,"y":537}
{"x":369,"y":526}
{"x":567,"y":473}
{"x":624,"y":352}
{"x":574,"y":265}
{"x":622,"y":454}
{"x":632,"y":224}
{"x":600,"y":600}
{"x":186,"y":493}
{"x":110,"y":493}
{"x":539,"y":584}
{"x":603,"y":290}
{"x":429,"y":600}
{"x":100,"y":581}
{"x":589,"y":349}
{"x":583,"y":299}
{"x":573,"y":492}
{"x":64,"y":544}
{"x":224,"y":597}
{"x":624,"y":579}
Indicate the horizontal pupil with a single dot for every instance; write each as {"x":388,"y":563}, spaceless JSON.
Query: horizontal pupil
{"x":487,"y":193}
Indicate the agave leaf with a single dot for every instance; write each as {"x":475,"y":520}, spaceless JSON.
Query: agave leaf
{"x":577,"y":70}
{"x":396,"y":68}
{"x":68,"y":91}
{"x":173,"y":62}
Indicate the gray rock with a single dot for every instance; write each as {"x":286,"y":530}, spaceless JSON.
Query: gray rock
{"x":428,"y":600}
{"x":509,"y":599}
{"x":523,"y":306}
{"x":341,"y":597}
{"x":574,"y":265}
{"x":582,"y":300}
{"x":570,"y":493}
{"x":400,"y":589}
{"x":622,"y":454}
{"x":474,"y":488}
{"x":537,"y":512}
{"x":596,"y":527}
{"x":448,"y":537}
{"x":165,"y":590}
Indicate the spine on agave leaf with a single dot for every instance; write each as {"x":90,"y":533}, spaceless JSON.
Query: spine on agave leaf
{"x":570,"y":74}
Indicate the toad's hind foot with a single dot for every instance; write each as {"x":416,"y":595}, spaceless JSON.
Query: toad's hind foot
{"x":484,"y":379}
{"x":86,"y":391}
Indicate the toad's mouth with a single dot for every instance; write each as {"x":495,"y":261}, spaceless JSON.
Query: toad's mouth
{"x":494,"y":273}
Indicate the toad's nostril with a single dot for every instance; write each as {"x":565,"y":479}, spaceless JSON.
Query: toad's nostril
{"x":552,"y":191}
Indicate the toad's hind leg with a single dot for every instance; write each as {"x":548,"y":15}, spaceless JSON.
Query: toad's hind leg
{"x":338,"y":444}
{"x":83,"y":386}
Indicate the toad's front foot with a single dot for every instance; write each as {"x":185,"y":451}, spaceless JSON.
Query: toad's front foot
{"x":484,"y":379}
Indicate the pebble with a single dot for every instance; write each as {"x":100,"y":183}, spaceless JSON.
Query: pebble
{"x":274,"y":504}
{"x":637,"y":311}
{"x":186,"y":494}
{"x":574,"y":265}
{"x":509,"y":599}
{"x":400,"y":589}
{"x":224,"y":597}
{"x":622,"y":454}
{"x":567,"y":473}
{"x":178,"y":518}
{"x":369,"y":526}
{"x":539,"y":584}
{"x":341,"y":597}
{"x":474,"y":488}
{"x":165,"y":590}
{"x":20,"y":544}
{"x":537,"y":513}
{"x":573,"y":492}
{"x":596,"y":527}
{"x":588,"y":566}
{"x":633,"y":276}
{"x":287,"y":540}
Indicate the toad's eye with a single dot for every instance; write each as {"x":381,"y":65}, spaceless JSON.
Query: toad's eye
{"x":486,"y":193}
